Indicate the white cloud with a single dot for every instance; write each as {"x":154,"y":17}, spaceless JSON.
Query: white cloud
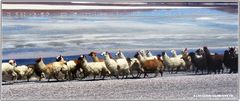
{"x":205,"y":18}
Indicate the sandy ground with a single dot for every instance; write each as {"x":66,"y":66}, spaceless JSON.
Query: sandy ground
{"x":181,"y":86}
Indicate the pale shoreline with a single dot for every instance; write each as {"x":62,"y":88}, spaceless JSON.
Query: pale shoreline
{"x":32,"y":55}
{"x":85,"y":7}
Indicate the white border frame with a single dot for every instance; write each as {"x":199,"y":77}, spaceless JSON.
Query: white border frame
{"x":121,"y":1}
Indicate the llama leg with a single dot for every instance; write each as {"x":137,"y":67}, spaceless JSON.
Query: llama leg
{"x":133,"y":75}
{"x":196,"y":71}
{"x":222,"y":70}
{"x":177,"y":69}
{"x":215,"y":69}
{"x":208,"y":70}
{"x":145,"y":75}
{"x":169,"y":70}
{"x":28,"y":77}
{"x":55,"y":76}
{"x":140,"y":73}
{"x":156,"y":73}
{"x":50,"y":76}
{"x":161,"y":72}
{"x":73,"y":75}
{"x":69,"y":75}
{"x":193,"y":68}
{"x":230,"y":71}
{"x":117,"y":76}
{"x":14,"y":76}
{"x":40,"y":78}
{"x":122,"y":76}
{"x":103,"y":77}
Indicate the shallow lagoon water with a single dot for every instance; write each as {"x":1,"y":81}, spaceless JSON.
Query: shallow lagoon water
{"x":128,"y":54}
{"x":80,"y":33}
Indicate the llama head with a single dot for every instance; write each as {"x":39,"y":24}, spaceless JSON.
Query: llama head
{"x":92,"y":54}
{"x":148,"y":51}
{"x":105,"y":54}
{"x":137,"y":54}
{"x":205,"y":49}
{"x":143,"y":52}
{"x":173,"y":51}
{"x":81,"y":57}
{"x":129,"y":59}
{"x":38,"y":60}
{"x":159,"y":55}
{"x":200,"y":51}
{"x":120,"y":54}
{"x":185,"y":50}
{"x":226,"y":52}
{"x":12,"y":62}
{"x":109,"y":54}
{"x":232,"y":50}
{"x":59,"y":58}
{"x":191,"y":54}
{"x":164,"y":53}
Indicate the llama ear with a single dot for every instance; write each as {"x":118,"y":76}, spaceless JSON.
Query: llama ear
{"x":57,"y":57}
{"x":103,"y":53}
{"x":40,"y":57}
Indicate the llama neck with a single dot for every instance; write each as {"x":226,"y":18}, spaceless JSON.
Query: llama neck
{"x":141,"y":58}
{"x":207,"y":52}
{"x":129,"y":63}
{"x":107,"y":57}
{"x":84,"y":63}
{"x":166,"y":57}
{"x":122,"y":56}
{"x":41,"y":65}
{"x":62,"y":59}
{"x":174,"y":54}
{"x":149,"y":54}
{"x":144,"y":55}
{"x":95,"y":59}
